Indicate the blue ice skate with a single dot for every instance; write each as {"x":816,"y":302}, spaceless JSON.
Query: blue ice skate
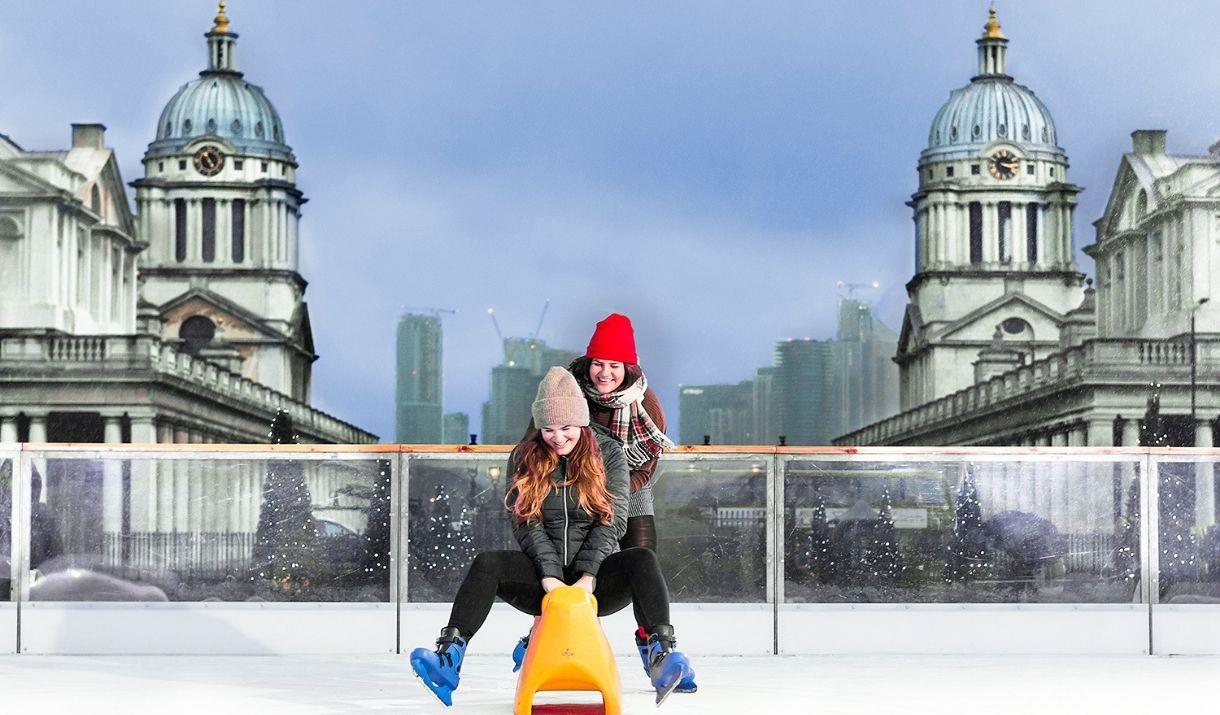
{"x":667,"y":668}
{"x":519,"y":652}
{"x":686,"y":685}
{"x":441,"y":669}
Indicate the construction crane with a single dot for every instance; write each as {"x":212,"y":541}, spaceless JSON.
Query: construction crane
{"x":491,"y":313}
{"x":541,"y":318}
{"x":853,"y":287}
{"x":434,"y":312}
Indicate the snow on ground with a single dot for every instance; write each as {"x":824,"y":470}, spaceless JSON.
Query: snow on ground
{"x":234,"y":685}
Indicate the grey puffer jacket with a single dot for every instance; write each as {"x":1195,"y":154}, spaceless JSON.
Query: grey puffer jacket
{"x":565,"y":534}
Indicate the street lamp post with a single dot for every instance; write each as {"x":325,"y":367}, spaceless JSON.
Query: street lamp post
{"x":1193,"y":360}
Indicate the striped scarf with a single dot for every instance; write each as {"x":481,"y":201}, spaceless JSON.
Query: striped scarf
{"x":641,"y":439}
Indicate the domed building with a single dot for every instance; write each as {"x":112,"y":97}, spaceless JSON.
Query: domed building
{"x":219,"y":208}
{"x":993,"y":225}
{"x":184,"y":322}
{"x":1004,"y":342}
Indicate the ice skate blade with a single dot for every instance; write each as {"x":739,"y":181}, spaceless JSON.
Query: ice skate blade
{"x":442,"y":693}
{"x":665,"y":692}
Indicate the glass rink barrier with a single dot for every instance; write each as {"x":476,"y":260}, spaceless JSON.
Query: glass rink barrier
{"x":332,"y":549}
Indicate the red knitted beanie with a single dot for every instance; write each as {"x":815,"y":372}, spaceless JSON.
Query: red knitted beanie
{"x":613,"y":339}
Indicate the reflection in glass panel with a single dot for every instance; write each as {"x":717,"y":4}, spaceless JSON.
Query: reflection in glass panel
{"x":711,"y":521}
{"x":455,"y":510}
{"x":210,"y":530}
{"x":711,"y":517}
{"x":961,"y":532}
{"x":1189,"y":536}
{"x":6,"y":522}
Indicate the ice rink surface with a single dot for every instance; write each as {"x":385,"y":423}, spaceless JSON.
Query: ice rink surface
{"x":235,"y":685}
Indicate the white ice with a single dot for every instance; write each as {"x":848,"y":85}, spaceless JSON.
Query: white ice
{"x":234,"y":685}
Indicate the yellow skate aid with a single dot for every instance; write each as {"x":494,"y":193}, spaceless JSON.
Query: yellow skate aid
{"x":568,"y":651}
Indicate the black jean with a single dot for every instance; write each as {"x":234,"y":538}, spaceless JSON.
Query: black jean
{"x":628,"y":576}
{"x":642,"y":533}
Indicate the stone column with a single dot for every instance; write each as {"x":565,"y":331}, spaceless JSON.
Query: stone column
{"x":112,"y":479}
{"x":195,"y":480}
{"x":1100,"y":432}
{"x":143,"y":478}
{"x":1079,"y":491}
{"x":1131,"y":432}
{"x":1056,"y":492}
{"x":165,"y":485}
{"x":182,"y":492}
{"x":1020,"y":253}
{"x":8,"y":429}
{"x":224,"y":231}
{"x":1205,"y":479}
{"x":38,"y":429}
{"x":1098,"y":478}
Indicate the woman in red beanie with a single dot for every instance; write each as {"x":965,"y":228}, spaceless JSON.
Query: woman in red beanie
{"x":621,"y":400}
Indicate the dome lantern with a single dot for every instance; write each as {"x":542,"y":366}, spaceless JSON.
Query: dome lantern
{"x":992,"y":47}
{"x":221,"y":44}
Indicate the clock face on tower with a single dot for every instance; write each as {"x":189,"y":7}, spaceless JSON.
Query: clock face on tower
{"x":1003,"y":164}
{"x":209,"y":160}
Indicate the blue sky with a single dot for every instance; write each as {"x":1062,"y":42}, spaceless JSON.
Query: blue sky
{"x":709,"y":168}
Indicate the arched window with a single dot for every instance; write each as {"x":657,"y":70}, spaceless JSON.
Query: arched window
{"x":196,"y":332}
{"x":1141,"y":205}
{"x":10,"y":252}
{"x":95,"y":200}
{"x":9,"y":228}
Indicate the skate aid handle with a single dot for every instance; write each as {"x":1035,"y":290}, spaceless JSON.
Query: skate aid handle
{"x":568,"y":650}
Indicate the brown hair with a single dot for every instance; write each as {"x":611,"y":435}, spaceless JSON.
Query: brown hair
{"x":535,"y":462}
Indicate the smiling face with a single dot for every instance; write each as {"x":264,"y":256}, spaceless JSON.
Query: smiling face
{"x":561,"y":438}
{"x":606,"y":375}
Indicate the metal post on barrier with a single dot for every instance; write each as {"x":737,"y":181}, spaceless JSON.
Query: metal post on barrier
{"x":398,"y":542}
{"x":20,"y":563}
{"x":775,"y":544}
{"x":1149,"y":531}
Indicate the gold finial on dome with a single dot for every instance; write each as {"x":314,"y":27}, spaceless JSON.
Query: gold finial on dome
{"x":991,"y":31}
{"x":222,"y":20}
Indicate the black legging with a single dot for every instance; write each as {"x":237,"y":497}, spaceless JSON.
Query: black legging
{"x":632,"y":575}
{"x":641,"y":532}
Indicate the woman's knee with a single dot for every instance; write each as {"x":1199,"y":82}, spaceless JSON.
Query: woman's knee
{"x":487,"y":563}
{"x":640,"y":558}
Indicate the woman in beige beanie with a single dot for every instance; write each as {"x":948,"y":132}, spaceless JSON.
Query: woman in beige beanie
{"x":567,"y":499}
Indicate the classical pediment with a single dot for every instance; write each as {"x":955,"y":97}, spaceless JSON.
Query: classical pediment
{"x":15,"y":180}
{"x":232,"y":321}
{"x":979,"y":325}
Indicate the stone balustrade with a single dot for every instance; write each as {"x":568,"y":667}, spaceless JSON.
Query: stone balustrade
{"x":1133,"y":359}
{"x":132,"y":353}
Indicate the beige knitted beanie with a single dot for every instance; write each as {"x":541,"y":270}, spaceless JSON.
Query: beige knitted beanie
{"x":560,"y":401}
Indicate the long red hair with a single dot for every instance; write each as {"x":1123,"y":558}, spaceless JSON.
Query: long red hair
{"x":536,"y":461}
